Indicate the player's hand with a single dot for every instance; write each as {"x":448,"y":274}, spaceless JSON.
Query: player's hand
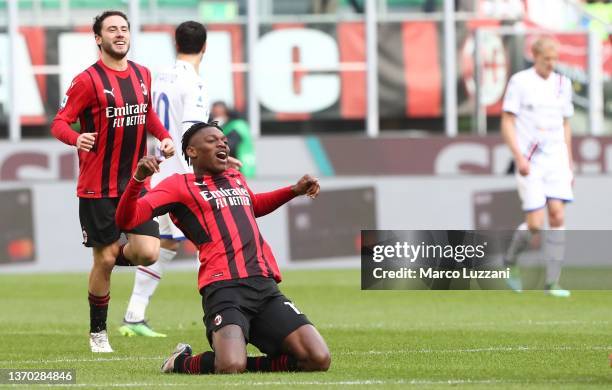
{"x":522,"y":165}
{"x":147,"y":166}
{"x":234,"y":163}
{"x":308,"y":186}
{"x":167,"y":147}
{"x":86,"y":141}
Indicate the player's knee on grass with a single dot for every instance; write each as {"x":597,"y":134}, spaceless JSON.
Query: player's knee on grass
{"x":230,"y":364}
{"x":230,"y":350}
{"x":309,"y":348}
{"x":319,"y":359}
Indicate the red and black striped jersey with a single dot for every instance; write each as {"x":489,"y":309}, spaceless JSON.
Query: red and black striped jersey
{"x":217,"y":213}
{"x":116,"y":105}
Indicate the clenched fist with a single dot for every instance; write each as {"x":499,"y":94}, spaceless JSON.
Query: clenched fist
{"x":147,"y":166}
{"x":86,"y":141}
{"x":167,"y":147}
{"x":308,"y":186}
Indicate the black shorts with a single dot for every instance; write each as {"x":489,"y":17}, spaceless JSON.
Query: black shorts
{"x":255,"y":304}
{"x":97,"y":217}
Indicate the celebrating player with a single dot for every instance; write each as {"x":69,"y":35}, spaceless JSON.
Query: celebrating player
{"x":238,"y":274}
{"x":180,"y":100}
{"x":111,"y":100}
{"x":535,"y":126}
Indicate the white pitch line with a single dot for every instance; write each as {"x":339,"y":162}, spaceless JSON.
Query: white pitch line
{"x":76,"y":360}
{"x":477,"y":350}
{"x":371,"y":352}
{"x":376,"y":325}
{"x":413,"y":382}
{"x":388,"y":326}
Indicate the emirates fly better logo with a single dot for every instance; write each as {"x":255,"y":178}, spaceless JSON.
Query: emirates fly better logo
{"x":127,"y":115}
{"x":227,"y":197}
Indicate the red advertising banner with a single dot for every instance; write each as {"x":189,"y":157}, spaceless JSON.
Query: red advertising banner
{"x":306,"y":72}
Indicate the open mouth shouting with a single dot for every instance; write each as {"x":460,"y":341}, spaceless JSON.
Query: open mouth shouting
{"x":221,"y":156}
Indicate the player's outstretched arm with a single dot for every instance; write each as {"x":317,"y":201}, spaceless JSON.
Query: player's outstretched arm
{"x":265,"y":203}
{"x":132,"y":210}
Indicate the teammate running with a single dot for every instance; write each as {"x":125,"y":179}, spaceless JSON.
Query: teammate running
{"x":111,"y":100}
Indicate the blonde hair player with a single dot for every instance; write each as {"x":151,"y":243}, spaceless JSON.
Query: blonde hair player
{"x":535,"y":126}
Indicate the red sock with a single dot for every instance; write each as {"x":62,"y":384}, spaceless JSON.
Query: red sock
{"x":267,"y":364}
{"x":203,"y":363}
{"x":98,"y":310}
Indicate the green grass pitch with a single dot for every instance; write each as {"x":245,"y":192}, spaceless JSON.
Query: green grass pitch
{"x":378,"y":339}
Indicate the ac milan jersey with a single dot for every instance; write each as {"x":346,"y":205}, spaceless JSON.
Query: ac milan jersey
{"x":117,"y":106}
{"x":217,"y":213}
{"x":180,"y":100}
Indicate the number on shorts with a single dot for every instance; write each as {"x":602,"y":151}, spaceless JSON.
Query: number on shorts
{"x":291,"y":305}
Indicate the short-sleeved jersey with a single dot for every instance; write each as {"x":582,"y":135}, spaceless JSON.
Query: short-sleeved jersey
{"x":117,"y":106}
{"x":217,"y":213}
{"x":540,"y":106}
{"x":180,"y":100}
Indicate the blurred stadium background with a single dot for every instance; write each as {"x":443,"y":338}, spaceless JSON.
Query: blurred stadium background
{"x":394,"y":104}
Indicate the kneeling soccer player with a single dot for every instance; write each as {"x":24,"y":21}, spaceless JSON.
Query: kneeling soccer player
{"x":238,"y":274}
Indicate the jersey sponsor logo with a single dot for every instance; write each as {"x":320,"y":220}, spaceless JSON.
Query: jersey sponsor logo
{"x":227,"y":197}
{"x":218,"y":320}
{"x":127,"y":115}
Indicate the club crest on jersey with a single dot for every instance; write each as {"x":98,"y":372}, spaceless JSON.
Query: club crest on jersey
{"x":218,"y":320}
{"x":144,"y":88}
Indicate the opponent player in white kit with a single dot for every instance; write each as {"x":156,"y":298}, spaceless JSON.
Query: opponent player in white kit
{"x":535,"y":125}
{"x":180,"y":99}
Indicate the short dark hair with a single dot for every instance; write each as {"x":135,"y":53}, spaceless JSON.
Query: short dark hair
{"x":97,"y":26}
{"x":191,"y":132}
{"x":190,"y":37}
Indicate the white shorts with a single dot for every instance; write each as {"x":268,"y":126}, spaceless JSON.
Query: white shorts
{"x":549,"y":178}
{"x":168,"y":230}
